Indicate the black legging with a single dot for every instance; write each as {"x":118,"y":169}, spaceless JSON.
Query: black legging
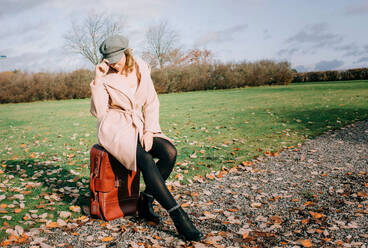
{"x":155,"y":174}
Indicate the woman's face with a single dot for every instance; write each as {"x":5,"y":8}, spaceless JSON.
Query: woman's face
{"x":119,"y":65}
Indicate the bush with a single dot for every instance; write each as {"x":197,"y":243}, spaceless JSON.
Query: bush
{"x":23,"y":87}
{"x":352,"y":74}
{"x":221,"y":76}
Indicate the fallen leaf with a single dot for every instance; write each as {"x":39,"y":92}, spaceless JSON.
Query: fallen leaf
{"x":305,"y":221}
{"x":17,"y":210}
{"x":52,"y":225}
{"x":276,"y":219}
{"x":65,"y":214}
{"x":107,"y":239}
{"x":256,"y":205}
{"x":316,"y":215}
{"x":76,"y":209}
{"x":184,"y":205}
{"x":305,"y":242}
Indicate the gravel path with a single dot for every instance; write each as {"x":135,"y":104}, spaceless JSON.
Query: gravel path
{"x":313,"y":195}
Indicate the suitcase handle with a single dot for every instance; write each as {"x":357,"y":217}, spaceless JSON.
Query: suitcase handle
{"x":95,"y":173}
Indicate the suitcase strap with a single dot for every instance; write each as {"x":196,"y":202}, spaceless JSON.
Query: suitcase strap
{"x":97,"y":185}
{"x":119,"y":182}
{"x":95,"y":174}
{"x":95,"y":206}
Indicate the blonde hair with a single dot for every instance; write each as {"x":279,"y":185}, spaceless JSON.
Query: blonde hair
{"x":130,"y":63}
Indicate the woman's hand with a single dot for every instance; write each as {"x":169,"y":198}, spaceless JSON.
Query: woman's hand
{"x":101,"y":69}
{"x":147,"y":141}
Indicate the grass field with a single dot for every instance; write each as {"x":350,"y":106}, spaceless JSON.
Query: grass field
{"x":44,"y":147}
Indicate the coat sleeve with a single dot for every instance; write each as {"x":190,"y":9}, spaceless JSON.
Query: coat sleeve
{"x":151,"y":107}
{"x":99,"y":100}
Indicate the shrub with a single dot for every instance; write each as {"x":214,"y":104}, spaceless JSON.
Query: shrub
{"x":352,"y":74}
{"x":24,"y":87}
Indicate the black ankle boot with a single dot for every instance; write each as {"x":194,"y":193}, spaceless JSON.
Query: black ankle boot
{"x":184,"y":225}
{"x":145,"y":208}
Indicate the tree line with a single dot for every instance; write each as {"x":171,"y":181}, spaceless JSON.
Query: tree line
{"x":195,"y":74}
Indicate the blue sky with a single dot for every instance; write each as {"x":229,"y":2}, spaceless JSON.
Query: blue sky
{"x":310,"y":34}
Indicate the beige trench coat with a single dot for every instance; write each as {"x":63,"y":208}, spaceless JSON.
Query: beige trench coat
{"x":120,"y":116}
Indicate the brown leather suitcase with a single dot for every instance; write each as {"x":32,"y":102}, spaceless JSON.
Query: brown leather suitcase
{"x":114,"y":189}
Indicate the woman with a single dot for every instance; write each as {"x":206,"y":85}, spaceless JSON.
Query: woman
{"x":121,"y":88}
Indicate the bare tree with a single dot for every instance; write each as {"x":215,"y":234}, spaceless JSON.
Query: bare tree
{"x":84,"y":38}
{"x":160,"y":40}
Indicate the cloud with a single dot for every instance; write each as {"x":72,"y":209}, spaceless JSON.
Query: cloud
{"x":350,"y":49}
{"x":325,"y":65}
{"x":51,"y":60}
{"x":362,"y":59}
{"x":220,"y":36}
{"x":31,"y":26}
{"x":11,"y":7}
{"x":311,"y":38}
{"x":317,"y":35}
{"x":288,"y":51}
{"x":357,"y":9}
{"x":366,"y":48}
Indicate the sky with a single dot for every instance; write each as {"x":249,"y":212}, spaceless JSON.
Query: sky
{"x":310,"y":34}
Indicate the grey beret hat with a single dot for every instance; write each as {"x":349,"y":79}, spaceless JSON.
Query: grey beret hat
{"x":113,"y":47}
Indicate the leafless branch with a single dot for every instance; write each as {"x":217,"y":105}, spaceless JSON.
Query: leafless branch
{"x":84,"y":38}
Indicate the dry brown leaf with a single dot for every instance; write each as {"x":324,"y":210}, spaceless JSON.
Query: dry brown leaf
{"x":6,"y":243}
{"x":52,"y":225}
{"x":305,"y":221}
{"x":184,"y":205}
{"x":65,"y":214}
{"x":82,"y":217}
{"x":339,"y":242}
{"x":362,"y":194}
{"x":76,"y":209}
{"x":316,"y":215}
{"x":17,"y":210}
{"x":61,"y":222}
{"x":209,"y":176}
{"x":305,"y":242}
{"x":276,"y":219}
{"x":233,"y":210}
{"x":275,"y":154}
{"x":256,"y":205}
{"x":194,"y":194}
{"x":107,"y":239}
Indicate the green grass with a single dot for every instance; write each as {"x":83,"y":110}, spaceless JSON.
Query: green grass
{"x":212,"y":129}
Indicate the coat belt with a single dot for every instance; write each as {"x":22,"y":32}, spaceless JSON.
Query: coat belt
{"x":135,"y":115}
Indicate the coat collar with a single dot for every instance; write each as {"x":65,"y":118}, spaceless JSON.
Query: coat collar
{"x":118,"y":82}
